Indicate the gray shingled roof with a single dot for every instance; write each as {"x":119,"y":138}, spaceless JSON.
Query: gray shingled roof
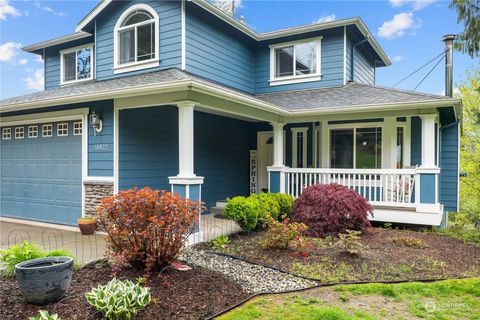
{"x":352,"y":94}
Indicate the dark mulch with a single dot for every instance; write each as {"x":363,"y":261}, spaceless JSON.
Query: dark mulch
{"x":388,"y":257}
{"x":191,"y":294}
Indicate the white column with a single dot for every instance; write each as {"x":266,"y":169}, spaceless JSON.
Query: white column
{"x":185,"y":139}
{"x":278,"y":143}
{"x":325,"y":137}
{"x":428,"y":141}
{"x":389,"y":143}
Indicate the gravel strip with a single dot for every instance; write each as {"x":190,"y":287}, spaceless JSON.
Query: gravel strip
{"x":253,"y":278}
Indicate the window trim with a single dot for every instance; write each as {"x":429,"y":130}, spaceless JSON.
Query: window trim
{"x":44,"y":129}
{"x":295,"y":132}
{"x":90,"y":46}
{"x":58,"y":129}
{"x":21,"y":133}
{"x":144,"y":64}
{"x":6,"y":133}
{"x":32,"y":134}
{"x":76,"y":128}
{"x":274,"y":81}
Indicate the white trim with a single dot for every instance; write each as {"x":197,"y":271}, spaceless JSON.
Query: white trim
{"x":71,"y":37}
{"x":55,"y":116}
{"x":344,"y":55}
{"x":296,"y":78}
{"x":186,"y":139}
{"x":295,"y":132}
{"x":19,"y":133}
{"x":90,"y":46}
{"x":98,"y":179}
{"x":260,"y":167}
{"x":92,"y":14}
{"x":6,"y":133}
{"x":317,"y":146}
{"x":84,"y":155}
{"x":78,"y":131}
{"x":62,"y":129}
{"x":407,"y":132}
{"x":193,"y":180}
{"x":48,"y":127}
{"x":428,"y":140}
{"x":116,"y":125}
{"x":184,"y":37}
{"x":127,"y":67}
{"x":32,"y":132}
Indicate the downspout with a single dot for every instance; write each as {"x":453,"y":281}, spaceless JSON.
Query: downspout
{"x":352,"y":54}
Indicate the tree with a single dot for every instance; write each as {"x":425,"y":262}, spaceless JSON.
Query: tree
{"x":468,"y":12}
{"x":469,"y":92}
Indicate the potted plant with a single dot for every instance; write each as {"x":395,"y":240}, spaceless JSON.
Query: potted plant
{"x":44,"y":280}
{"x":87,"y":225}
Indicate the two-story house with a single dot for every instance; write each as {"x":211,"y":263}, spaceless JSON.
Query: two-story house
{"x":179,"y":95}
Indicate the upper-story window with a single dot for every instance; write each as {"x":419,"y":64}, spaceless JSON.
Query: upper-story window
{"x":295,"y":62}
{"x":76,"y":64}
{"x":136,"y":39}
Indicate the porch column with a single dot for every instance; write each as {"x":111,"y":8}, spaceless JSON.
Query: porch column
{"x":390,"y":143}
{"x":428,"y":171}
{"x":186,"y":183}
{"x":276,"y":175}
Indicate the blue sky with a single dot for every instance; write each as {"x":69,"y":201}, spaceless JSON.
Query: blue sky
{"x":409,"y":31}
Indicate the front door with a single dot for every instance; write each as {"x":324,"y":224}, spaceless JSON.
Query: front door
{"x":265,"y":159}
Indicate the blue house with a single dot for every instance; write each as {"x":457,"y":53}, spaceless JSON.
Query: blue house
{"x":179,"y":95}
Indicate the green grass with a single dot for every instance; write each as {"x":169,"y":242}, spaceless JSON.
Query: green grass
{"x":451,"y":299}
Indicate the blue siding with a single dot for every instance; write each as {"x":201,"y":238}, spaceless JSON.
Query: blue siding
{"x":100,"y":146}
{"x":364,"y":68}
{"x":170,"y":36}
{"x":52,"y":61}
{"x":148,"y":147}
{"x":331,"y":63}
{"x":217,"y":54}
{"x":221,"y":156}
{"x":449,"y":167}
{"x":416,"y":142}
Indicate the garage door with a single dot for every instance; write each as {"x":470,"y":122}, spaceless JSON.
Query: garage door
{"x":41,"y":172}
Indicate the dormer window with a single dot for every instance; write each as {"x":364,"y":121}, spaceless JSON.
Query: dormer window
{"x":136,"y":39}
{"x":76,"y":64}
{"x":295,"y":62}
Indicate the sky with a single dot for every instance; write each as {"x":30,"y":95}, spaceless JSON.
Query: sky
{"x":410,"y":32}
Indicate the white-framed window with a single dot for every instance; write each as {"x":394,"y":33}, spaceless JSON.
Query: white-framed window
{"x":136,"y":39}
{"x":33,"y":132}
{"x":47,"y":130}
{"x":62,"y":129}
{"x":299,"y":147}
{"x":19,"y":132}
{"x":76,"y":64}
{"x":294,"y":62}
{"x":77,"y":128}
{"x":6,"y":133}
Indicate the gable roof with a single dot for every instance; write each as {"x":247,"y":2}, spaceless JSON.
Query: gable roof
{"x":351,"y":97}
{"x":357,"y":21}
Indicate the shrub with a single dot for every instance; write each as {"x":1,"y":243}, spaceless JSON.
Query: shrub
{"x":243,"y":211}
{"x":220,"y":242}
{"x":285,"y":201}
{"x":268,"y":206}
{"x":22,"y":252}
{"x":350,"y":243}
{"x":44,"y":315}
{"x":119,"y":299}
{"x":146,"y":227}
{"x":410,"y":242}
{"x":331,"y":209}
{"x":279,"y":235}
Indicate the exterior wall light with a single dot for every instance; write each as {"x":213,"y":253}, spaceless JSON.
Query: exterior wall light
{"x":96,"y":123}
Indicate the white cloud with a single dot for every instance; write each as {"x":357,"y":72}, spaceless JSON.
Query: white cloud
{"x":46,"y":8}
{"x":396,"y":58}
{"x":7,"y":9}
{"x":226,"y":5}
{"x":398,"y":26}
{"x":327,"y":18}
{"x":416,"y":4}
{"x":8,"y":51}
{"x":23,"y":61}
{"x":39,"y":59}
{"x":35,"y":82}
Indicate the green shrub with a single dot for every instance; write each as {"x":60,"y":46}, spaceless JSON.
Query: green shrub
{"x":119,"y":299}
{"x":268,"y":205}
{"x":243,"y":211}
{"x":285,"y":201}
{"x":23,"y":252}
{"x":220,"y":242}
{"x":44,"y":315}
{"x":281,"y":234}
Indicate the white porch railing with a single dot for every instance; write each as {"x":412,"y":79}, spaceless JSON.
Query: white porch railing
{"x":385,"y":187}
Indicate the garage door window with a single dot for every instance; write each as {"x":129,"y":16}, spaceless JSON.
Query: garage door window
{"x":19,"y":133}
{"x":62,"y":129}
{"x":33,"y":132}
{"x":6,"y":134}
{"x":77,"y":128}
{"x":47,"y":130}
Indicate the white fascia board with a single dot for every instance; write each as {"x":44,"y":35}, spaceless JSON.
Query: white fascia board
{"x":92,"y":14}
{"x":59,"y":40}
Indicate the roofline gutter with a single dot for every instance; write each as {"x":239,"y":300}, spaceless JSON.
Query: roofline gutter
{"x":71,"y":37}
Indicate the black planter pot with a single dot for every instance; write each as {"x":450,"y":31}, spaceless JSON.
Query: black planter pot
{"x":44,"y":280}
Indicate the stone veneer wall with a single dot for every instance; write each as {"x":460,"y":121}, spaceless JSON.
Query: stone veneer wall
{"x":94,"y":192}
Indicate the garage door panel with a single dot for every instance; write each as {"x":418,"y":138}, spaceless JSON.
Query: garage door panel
{"x":42,"y":177}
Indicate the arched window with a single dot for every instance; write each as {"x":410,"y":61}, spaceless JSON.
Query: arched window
{"x":136,"y":35}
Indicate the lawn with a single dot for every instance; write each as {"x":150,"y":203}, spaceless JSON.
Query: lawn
{"x":451,"y":299}
{"x":389,"y":254}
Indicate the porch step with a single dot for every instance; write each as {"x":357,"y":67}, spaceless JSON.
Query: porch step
{"x":220,"y":204}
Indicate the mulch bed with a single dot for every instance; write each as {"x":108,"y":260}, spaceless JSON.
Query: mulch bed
{"x":388,"y":257}
{"x":193,"y":294}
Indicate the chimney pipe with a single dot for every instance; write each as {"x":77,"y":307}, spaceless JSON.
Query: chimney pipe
{"x":448,"y":39}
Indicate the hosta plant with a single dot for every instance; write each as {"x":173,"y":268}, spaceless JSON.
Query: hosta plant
{"x":220,"y":242}
{"x":44,"y":315}
{"x":119,"y":300}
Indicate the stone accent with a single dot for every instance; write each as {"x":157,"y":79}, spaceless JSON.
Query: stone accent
{"x":95,"y":191}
